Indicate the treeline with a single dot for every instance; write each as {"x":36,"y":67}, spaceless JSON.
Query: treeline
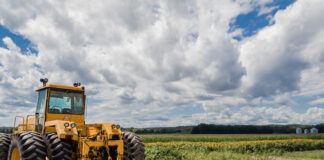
{"x":250,"y":129}
{"x":5,"y":129}
{"x":162,"y":130}
{"x":226,"y":129}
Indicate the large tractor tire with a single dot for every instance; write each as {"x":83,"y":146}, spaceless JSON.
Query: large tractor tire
{"x":133,"y":147}
{"x":57,"y":149}
{"x":4,"y":146}
{"x":27,"y":146}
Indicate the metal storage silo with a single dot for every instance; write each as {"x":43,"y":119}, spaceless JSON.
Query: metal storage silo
{"x":306,"y":131}
{"x":314,"y":131}
{"x":299,"y":131}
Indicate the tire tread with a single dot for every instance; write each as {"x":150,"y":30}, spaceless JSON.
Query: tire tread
{"x":4,"y":145}
{"x":57,"y":149}
{"x":30,"y":144}
{"x":134,"y":149}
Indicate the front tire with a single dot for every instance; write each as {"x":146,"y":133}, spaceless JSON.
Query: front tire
{"x":4,"y":146}
{"x":133,"y":147}
{"x":57,"y":149}
{"x":27,"y":146}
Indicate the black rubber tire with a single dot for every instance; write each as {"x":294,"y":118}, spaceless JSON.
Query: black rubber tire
{"x":30,"y":146}
{"x":57,"y":149}
{"x":4,"y":146}
{"x":133,"y":147}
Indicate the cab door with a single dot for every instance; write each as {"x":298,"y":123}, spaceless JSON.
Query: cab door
{"x":40,"y":110}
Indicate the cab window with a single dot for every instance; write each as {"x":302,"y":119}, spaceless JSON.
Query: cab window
{"x":65,"y":102}
{"x":41,"y":101}
{"x":40,"y":110}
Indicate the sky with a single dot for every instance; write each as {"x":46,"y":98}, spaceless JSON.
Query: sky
{"x":168,"y":63}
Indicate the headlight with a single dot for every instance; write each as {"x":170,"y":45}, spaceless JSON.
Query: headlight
{"x":113,"y":126}
{"x":66,"y":124}
{"x":73,"y":125}
{"x":118,"y":126}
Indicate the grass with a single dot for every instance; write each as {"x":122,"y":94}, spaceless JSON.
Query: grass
{"x":165,"y":153}
{"x":223,"y":137}
{"x":222,"y":147}
{"x":319,"y":154}
{"x":187,"y":154}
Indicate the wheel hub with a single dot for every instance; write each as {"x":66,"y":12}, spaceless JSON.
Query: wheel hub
{"x":15,"y":154}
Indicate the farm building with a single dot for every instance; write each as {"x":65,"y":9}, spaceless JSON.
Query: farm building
{"x":306,"y":131}
{"x":299,"y":131}
{"x":314,"y":131}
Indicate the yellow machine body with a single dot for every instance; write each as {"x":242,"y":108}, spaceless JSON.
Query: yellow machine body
{"x":88,"y":139}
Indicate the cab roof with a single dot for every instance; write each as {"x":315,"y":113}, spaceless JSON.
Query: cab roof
{"x":60,"y":87}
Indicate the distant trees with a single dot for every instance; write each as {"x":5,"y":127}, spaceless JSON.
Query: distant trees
{"x":164,"y":130}
{"x":250,"y":129}
{"x":5,"y":129}
{"x":320,"y":127}
{"x":226,"y":129}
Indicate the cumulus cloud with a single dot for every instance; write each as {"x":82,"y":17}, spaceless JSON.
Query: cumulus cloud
{"x":275,"y":59}
{"x":226,"y":102}
{"x":141,"y":55}
{"x":143,"y":61}
{"x":317,"y":101}
{"x":17,"y":82}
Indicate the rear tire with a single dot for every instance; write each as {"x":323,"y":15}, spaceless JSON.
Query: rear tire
{"x":133,"y":147}
{"x":27,"y":146}
{"x":57,"y":149}
{"x":4,"y":146}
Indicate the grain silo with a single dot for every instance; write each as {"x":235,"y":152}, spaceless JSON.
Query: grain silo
{"x":306,"y":131}
{"x":299,"y":131}
{"x":314,"y":131}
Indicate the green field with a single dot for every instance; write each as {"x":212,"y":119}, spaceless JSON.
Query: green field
{"x":233,"y":146}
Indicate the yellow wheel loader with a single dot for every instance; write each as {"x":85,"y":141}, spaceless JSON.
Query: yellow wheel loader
{"x":58,"y":131}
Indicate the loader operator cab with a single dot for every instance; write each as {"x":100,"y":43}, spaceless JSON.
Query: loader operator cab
{"x":58,"y":131}
{"x":55,"y":101}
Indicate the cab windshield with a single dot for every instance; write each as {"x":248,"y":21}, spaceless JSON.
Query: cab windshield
{"x":65,"y":102}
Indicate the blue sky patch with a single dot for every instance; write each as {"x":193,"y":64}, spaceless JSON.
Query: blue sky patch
{"x":253,"y":21}
{"x":24,"y":44}
{"x":303,"y":103}
{"x":39,"y":69}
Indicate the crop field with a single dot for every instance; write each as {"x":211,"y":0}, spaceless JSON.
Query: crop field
{"x":238,"y":146}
